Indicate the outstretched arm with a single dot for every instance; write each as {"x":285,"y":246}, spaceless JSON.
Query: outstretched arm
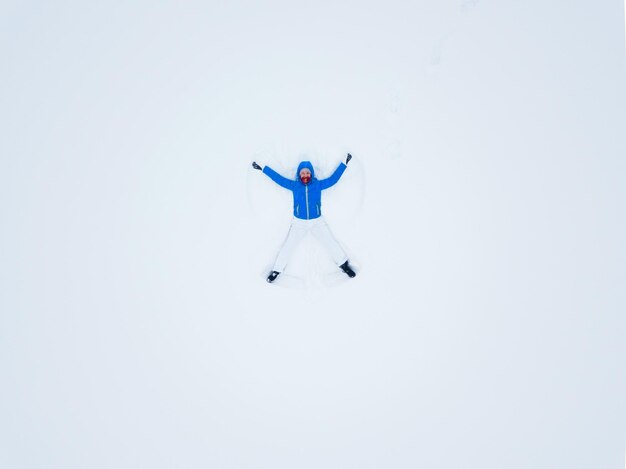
{"x":278,"y":179}
{"x":332,"y":180}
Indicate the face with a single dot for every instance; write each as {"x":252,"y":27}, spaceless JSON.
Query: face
{"x":305,"y":175}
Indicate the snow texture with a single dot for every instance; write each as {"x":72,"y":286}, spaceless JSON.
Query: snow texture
{"x":484,"y":210}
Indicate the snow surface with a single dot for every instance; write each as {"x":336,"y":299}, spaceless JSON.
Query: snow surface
{"x":484,"y":209}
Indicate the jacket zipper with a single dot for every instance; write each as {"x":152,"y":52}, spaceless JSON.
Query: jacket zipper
{"x":306,"y":195}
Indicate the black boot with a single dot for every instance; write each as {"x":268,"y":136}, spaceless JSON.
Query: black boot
{"x":271,"y":277}
{"x":347,"y":269}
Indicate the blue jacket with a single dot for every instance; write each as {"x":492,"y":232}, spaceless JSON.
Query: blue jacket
{"x":307,"y":198}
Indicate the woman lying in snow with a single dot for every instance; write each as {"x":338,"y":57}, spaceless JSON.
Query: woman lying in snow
{"x":307,"y":212}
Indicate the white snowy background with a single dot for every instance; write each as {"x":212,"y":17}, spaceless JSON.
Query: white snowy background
{"x":484,"y":208}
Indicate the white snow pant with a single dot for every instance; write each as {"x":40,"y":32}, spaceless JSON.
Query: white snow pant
{"x":319,"y":229}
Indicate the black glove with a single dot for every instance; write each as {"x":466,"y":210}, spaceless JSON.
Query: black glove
{"x":256,"y":166}
{"x":348,"y":158}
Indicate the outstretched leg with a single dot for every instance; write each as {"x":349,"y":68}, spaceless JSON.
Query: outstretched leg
{"x":295,"y":235}
{"x":322,"y":233}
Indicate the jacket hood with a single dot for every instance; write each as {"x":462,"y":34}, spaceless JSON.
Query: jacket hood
{"x":305,"y":164}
